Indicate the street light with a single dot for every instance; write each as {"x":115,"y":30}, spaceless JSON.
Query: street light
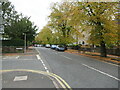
{"x":24,"y":42}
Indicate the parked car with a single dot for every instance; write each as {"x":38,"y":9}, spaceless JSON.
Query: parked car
{"x":53,"y":46}
{"x":36,"y":45}
{"x":47,"y":45}
{"x":41,"y":45}
{"x":60,"y":48}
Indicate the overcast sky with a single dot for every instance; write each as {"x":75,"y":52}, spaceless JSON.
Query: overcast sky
{"x":37,"y":9}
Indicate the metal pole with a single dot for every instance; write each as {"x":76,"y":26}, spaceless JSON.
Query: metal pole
{"x":25,"y":43}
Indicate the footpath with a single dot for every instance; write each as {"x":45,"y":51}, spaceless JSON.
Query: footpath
{"x":110,"y":58}
{"x":29,"y":51}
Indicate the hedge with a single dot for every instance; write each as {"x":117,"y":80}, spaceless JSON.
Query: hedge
{"x":12,"y":42}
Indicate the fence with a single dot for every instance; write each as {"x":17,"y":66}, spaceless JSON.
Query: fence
{"x":113,"y":51}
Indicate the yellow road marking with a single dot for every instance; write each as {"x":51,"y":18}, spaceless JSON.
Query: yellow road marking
{"x":63,"y":81}
{"x":58,"y":78}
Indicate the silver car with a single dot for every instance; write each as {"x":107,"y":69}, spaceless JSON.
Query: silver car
{"x":53,"y":46}
{"x":47,"y":45}
{"x":60,"y":48}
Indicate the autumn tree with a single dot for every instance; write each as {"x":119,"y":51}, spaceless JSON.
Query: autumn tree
{"x":100,"y":16}
{"x":69,"y":20}
{"x":59,"y":22}
{"x":44,"y":36}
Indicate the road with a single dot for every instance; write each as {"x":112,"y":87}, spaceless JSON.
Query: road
{"x":80,"y":71}
{"x":75,"y":70}
{"x":27,"y":71}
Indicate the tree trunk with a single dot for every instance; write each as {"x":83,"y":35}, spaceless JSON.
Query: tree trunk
{"x":118,"y":51}
{"x":103,"y":49}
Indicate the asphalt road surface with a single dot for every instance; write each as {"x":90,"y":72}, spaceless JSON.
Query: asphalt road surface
{"x":75,"y":70}
{"x":80,"y":71}
{"x":27,"y":71}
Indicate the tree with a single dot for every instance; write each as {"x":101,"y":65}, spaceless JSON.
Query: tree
{"x":100,"y":17}
{"x":15,"y":25}
{"x":18,"y":28}
{"x":8,"y":13}
{"x":45,"y":36}
{"x":69,"y":20}
{"x":59,"y":22}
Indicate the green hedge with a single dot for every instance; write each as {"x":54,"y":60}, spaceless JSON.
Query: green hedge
{"x":12,"y":42}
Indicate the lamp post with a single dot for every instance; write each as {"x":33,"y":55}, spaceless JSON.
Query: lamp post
{"x":24,"y":42}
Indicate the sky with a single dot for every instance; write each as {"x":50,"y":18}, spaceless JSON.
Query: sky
{"x":37,"y":9}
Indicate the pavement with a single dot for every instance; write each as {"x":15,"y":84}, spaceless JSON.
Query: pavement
{"x":25,"y":70}
{"x":23,"y":79}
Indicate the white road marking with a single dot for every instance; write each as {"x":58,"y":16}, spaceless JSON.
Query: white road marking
{"x":45,"y":68}
{"x":47,"y":71}
{"x":20,"y":78}
{"x":97,"y":59}
{"x":38,"y":57}
{"x":42,"y":62}
{"x":66,"y":57}
{"x":44,"y":65}
{"x":101,"y":72}
{"x":17,"y":57}
{"x":38,"y":52}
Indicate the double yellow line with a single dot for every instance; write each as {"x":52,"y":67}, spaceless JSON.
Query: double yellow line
{"x":56,"y":77}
